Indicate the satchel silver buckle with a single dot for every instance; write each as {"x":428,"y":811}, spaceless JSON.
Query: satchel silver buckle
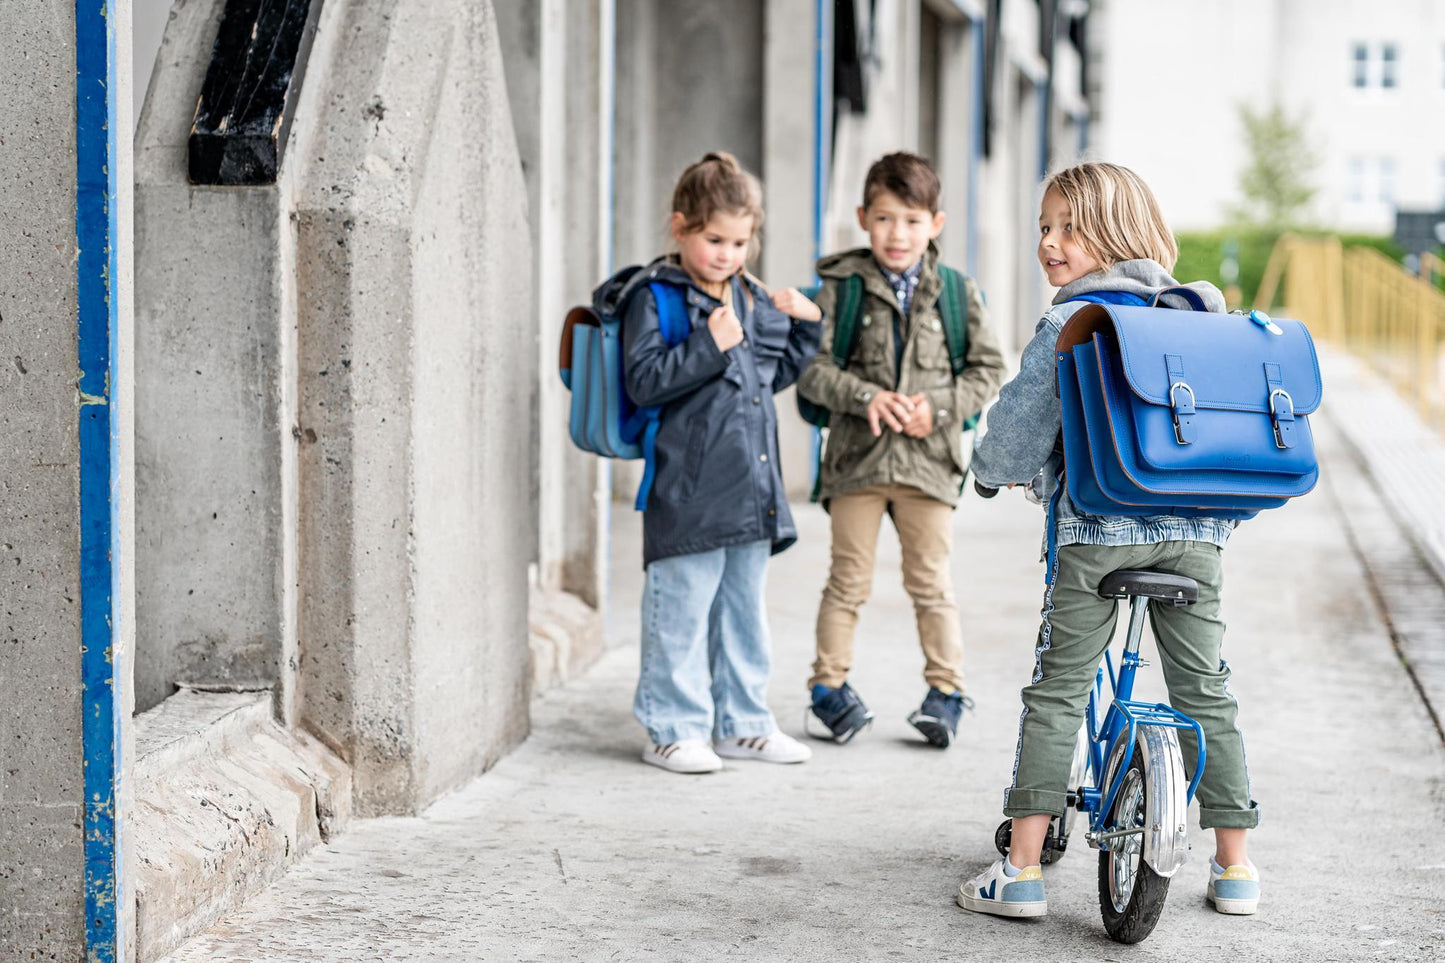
{"x":1274,"y":414}
{"x":1174,"y":404}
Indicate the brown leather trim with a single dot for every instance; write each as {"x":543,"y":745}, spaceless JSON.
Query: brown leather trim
{"x":578,"y":315}
{"x":1080,"y":328}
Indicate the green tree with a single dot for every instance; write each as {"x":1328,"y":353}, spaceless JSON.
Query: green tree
{"x":1275,"y":184}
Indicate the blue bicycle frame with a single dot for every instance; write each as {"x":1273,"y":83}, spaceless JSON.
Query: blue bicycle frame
{"x":1122,"y":721}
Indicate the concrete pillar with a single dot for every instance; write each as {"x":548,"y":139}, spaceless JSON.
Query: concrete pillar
{"x":416,"y":370}
{"x":216,"y":456}
{"x":66,"y":646}
{"x":789,"y":124}
{"x":957,"y":121}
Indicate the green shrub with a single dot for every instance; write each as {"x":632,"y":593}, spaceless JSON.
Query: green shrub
{"x":1201,"y":254}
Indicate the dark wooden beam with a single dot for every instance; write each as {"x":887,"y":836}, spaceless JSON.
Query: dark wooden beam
{"x":244,"y":115}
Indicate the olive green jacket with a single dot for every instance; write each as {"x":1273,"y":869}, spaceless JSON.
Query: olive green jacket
{"x":853,"y":458}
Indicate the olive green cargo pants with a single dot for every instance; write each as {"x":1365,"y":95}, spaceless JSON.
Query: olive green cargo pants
{"x":1077,"y":628}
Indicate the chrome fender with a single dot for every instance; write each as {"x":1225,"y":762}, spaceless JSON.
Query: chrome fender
{"x":1166,"y":825}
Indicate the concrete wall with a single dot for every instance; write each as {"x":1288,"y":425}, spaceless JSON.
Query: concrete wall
{"x":215,"y":349}
{"x":42,"y":809}
{"x":414,"y":378}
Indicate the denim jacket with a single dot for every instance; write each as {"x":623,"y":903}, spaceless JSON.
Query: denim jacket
{"x":1023,"y":427}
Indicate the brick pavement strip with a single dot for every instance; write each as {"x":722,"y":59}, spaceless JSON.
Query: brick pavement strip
{"x":573,"y":849}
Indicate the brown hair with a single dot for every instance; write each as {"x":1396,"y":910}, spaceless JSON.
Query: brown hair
{"x":718,"y":184}
{"x":908,"y":177}
{"x":1115,"y":215}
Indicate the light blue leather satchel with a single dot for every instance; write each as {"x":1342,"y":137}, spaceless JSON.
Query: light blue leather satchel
{"x":1172,"y":412}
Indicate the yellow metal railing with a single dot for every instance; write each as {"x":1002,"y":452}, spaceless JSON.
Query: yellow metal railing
{"x":1362,"y":301}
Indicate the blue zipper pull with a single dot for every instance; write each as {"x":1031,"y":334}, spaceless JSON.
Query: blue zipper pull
{"x":1264,"y":321}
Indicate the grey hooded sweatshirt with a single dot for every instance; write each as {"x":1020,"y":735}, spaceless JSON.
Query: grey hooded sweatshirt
{"x":1023,"y":427}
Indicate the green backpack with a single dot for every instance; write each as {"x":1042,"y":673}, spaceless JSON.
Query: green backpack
{"x":846,"y":330}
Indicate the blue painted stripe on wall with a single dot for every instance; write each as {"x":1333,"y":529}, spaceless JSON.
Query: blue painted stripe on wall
{"x":98,"y":315}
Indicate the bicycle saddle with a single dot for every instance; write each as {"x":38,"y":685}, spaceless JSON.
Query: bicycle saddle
{"x":1166,"y":586}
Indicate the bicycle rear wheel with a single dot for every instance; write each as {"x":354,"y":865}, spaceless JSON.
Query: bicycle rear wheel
{"x":1131,"y":895}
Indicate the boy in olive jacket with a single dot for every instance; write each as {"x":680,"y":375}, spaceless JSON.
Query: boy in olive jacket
{"x":894,"y":441}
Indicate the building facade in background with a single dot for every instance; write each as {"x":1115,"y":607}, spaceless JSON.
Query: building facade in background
{"x":1367,"y":79}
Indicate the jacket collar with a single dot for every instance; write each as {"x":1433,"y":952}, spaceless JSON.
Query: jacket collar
{"x":861,"y":262}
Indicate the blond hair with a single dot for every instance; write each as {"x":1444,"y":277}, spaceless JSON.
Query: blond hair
{"x":718,"y":184}
{"x":1115,"y":215}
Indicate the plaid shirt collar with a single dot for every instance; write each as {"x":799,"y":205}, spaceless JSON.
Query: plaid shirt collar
{"x":903,"y":284}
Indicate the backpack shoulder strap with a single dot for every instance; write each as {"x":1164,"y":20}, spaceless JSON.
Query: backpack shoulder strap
{"x":953,"y":306}
{"x":671,"y":312}
{"x":847,"y":313}
{"x":1188,"y":295}
{"x":1115,"y":297}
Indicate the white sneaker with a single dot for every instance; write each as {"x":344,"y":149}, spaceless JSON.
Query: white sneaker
{"x":687,"y":755}
{"x":777,"y":746}
{"x":995,"y":891}
{"x":1234,"y":889}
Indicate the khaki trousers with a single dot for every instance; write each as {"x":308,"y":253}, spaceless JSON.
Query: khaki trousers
{"x":925,"y":531}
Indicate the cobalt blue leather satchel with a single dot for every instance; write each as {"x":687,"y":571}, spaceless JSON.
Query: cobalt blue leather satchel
{"x":1194,"y":413}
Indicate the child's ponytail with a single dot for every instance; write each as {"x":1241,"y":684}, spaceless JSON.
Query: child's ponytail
{"x":717,"y":184}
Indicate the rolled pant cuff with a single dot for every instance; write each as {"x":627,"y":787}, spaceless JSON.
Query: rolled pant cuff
{"x":1229,"y":818}
{"x":747,"y":728}
{"x":666,"y":737}
{"x":1034,"y":802}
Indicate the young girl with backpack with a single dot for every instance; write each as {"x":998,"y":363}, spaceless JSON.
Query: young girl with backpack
{"x":716,"y":509}
{"x":1102,"y":237}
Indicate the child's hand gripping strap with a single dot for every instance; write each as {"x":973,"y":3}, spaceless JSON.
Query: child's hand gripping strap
{"x":673,"y":322}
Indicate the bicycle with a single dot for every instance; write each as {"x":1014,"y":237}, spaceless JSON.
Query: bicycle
{"x":1128,"y":773}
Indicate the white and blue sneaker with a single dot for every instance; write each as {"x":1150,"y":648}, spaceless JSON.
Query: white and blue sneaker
{"x":996,"y":891}
{"x":1234,"y":889}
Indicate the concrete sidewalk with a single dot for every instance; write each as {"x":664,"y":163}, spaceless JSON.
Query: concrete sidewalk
{"x":573,"y":849}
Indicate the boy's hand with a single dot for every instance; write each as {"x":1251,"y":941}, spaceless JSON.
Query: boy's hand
{"x":888,"y":408}
{"x":791,"y":302}
{"x":726,"y":330}
{"x":921,"y":424}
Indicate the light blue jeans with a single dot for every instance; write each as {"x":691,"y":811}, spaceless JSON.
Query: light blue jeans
{"x":706,"y":653}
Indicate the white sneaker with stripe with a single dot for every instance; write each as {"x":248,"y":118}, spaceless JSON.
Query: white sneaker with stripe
{"x":777,"y":746}
{"x":686,"y":755}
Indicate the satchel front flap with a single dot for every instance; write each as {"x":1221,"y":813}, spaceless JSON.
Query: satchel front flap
{"x":1228,"y":361}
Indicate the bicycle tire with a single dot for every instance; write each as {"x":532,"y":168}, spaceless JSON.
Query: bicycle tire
{"x":1131,"y":895}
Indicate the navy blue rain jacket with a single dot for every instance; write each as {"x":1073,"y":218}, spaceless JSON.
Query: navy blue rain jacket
{"x":718,"y":479}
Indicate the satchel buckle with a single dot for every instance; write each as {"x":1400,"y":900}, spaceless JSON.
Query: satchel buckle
{"x":1281,"y":415}
{"x":1183,"y":413}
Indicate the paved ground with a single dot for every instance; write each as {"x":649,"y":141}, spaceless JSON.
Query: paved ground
{"x":572,"y":849}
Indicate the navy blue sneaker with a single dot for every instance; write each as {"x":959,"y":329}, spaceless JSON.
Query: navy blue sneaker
{"x":841,"y":711}
{"x":938,"y":717}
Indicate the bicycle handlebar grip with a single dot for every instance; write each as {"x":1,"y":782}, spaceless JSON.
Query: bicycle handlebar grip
{"x":983,"y":490}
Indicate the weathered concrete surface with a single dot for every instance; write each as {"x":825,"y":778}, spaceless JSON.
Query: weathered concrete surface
{"x":215,"y":347}
{"x":565,"y":636}
{"x":416,"y":367}
{"x":42,"y":909}
{"x":573,"y":849}
{"x":1394,"y":483}
{"x":226,"y":799}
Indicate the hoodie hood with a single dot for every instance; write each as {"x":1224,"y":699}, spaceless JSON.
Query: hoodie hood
{"x":1143,"y":277}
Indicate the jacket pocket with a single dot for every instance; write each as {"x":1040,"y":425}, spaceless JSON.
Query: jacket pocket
{"x":692,"y":459}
